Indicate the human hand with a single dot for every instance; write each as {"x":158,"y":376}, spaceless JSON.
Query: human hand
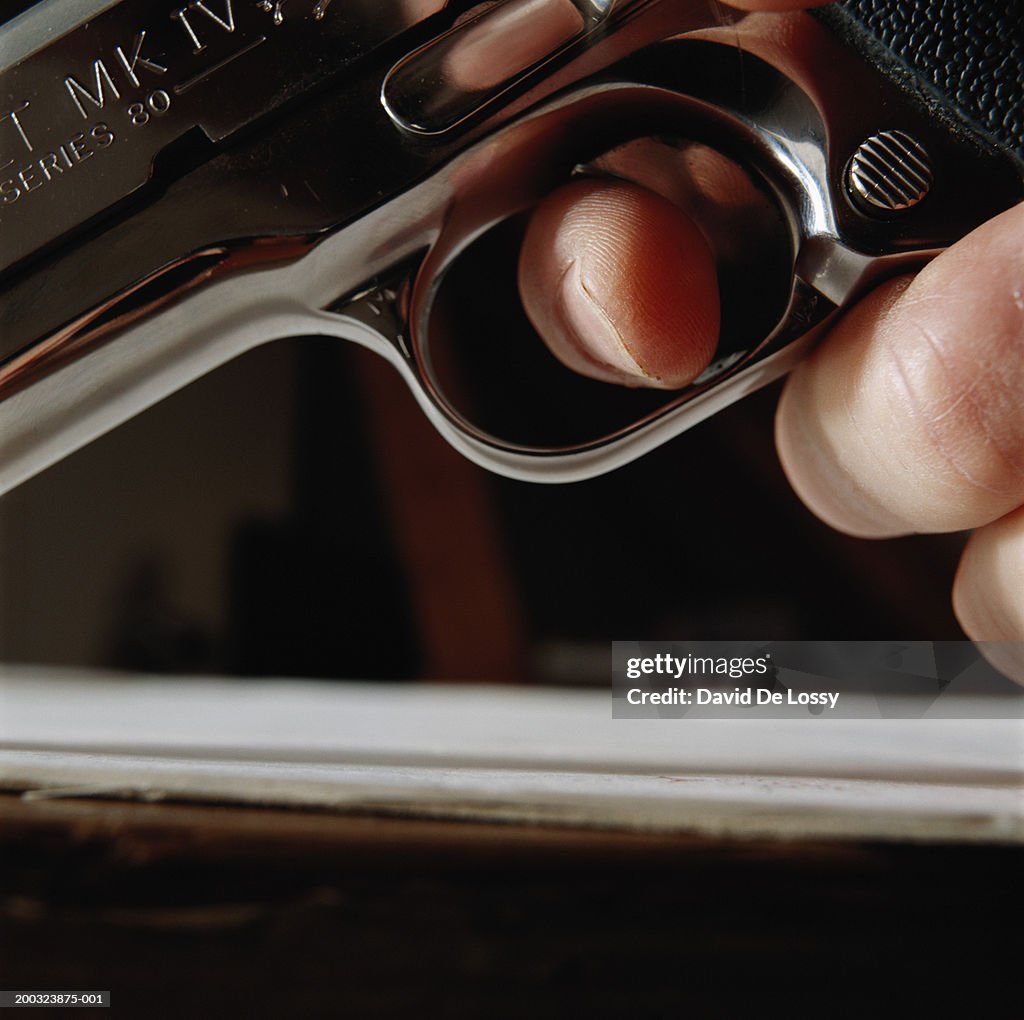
{"x":908,"y":418}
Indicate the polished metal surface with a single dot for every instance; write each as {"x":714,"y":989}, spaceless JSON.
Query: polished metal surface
{"x":457,"y":75}
{"x":889,"y":172}
{"x":87,"y":116}
{"x":275,"y":194}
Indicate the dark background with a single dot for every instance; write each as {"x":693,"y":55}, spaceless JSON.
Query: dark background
{"x":294,"y":514}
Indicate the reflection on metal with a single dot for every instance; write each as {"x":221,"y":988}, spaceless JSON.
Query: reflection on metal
{"x":97,"y":107}
{"x":237,"y":179}
{"x":890,"y":172}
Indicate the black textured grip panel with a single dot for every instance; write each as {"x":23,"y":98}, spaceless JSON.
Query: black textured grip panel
{"x":968,"y":54}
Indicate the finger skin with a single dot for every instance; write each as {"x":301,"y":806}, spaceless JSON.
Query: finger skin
{"x":910,"y":417}
{"x":988,"y":594}
{"x":776,"y":5}
{"x":621,"y":284}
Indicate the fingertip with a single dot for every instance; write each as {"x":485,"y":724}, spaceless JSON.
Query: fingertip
{"x":988,"y":592}
{"x":621,"y":284}
{"x":776,"y":5}
{"x":823,"y":436}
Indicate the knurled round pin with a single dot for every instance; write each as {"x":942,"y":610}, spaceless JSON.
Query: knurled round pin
{"x":889,"y":172}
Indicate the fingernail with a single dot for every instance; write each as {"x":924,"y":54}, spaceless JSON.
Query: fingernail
{"x":590,"y":326}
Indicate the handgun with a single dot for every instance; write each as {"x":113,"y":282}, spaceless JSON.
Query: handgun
{"x":182,"y":180}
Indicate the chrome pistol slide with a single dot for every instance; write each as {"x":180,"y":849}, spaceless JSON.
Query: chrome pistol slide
{"x":181,"y":180}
